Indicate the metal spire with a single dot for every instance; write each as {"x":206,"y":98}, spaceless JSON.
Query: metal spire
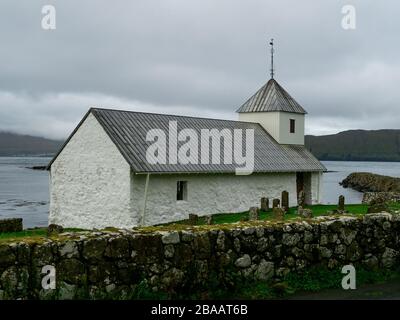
{"x":271,"y":43}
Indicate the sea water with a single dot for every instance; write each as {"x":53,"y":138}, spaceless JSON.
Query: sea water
{"x":24,"y":192}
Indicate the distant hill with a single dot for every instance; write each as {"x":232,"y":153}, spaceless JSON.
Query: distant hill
{"x":356,"y":145}
{"x":352,"y":145}
{"x":12,"y":144}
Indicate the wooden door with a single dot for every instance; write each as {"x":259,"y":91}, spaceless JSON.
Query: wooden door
{"x":299,"y":182}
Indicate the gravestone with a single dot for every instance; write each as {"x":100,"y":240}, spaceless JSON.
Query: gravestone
{"x":285,"y":200}
{"x":209,"y":220}
{"x":254,"y":213}
{"x":300,"y":210}
{"x":307,"y":213}
{"x":278,"y":213}
{"x":53,"y":229}
{"x":264,"y":204}
{"x":275,"y":203}
{"x":341,"y":203}
{"x":193,"y":219}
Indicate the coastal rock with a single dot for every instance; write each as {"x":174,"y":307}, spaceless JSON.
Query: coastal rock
{"x":370,"y":182}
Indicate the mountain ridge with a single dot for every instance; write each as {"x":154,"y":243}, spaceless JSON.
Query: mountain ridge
{"x":356,"y":145}
{"x":350,"y":145}
{"x":13,"y":144}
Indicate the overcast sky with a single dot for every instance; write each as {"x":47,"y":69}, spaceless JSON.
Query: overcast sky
{"x":197,"y":57}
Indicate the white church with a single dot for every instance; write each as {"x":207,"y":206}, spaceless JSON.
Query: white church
{"x":103,"y":177}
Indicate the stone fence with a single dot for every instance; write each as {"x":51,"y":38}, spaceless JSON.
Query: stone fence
{"x":11,"y":225}
{"x":115,"y":263}
{"x":381,"y":196}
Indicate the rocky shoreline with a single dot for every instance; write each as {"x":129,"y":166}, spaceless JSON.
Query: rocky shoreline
{"x":370,"y":182}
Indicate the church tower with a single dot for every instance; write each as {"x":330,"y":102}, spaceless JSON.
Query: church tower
{"x":276,"y":111}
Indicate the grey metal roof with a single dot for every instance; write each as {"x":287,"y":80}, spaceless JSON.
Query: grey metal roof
{"x":271,"y":97}
{"x":128,"y":132}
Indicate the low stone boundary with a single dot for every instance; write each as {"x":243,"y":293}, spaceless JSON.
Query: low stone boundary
{"x":117,"y":263}
{"x":384,"y":196}
{"x":11,"y":225}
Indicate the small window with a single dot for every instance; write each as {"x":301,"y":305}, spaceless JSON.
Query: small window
{"x":181,"y":190}
{"x":292,"y":126}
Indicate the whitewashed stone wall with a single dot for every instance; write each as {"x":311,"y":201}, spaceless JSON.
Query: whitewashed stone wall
{"x":90,"y":182}
{"x":207,"y":194}
{"x":278,"y":125}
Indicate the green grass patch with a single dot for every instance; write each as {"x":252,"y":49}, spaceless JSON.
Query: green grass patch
{"x":31,"y":233}
{"x":40,"y":232}
{"x":318,"y":210}
{"x":394,"y":206}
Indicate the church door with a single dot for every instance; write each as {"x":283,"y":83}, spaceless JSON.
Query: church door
{"x":299,"y":182}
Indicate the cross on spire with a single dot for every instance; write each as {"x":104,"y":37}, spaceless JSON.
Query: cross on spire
{"x":271,"y":43}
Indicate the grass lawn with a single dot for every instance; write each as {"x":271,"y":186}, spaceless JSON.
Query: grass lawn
{"x":29,"y":233}
{"x":26,"y":233}
{"x":318,"y":210}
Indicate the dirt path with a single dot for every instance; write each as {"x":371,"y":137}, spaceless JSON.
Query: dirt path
{"x":380,"y":291}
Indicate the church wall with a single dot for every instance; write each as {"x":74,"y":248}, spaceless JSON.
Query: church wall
{"x":285,"y":137}
{"x":268,"y":120}
{"x":207,"y":194}
{"x":90,"y":182}
{"x":277,"y":124}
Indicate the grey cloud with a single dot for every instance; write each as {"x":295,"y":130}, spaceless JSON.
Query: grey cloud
{"x":196,"y":57}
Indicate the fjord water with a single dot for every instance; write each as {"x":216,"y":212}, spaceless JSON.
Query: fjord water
{"x":24,"y":192}
{"x":338,"y":170}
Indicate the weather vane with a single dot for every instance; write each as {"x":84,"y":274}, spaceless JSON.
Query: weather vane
{"x":271,"y":43}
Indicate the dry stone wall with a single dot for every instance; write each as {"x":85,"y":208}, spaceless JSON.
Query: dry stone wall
{"x":11,"y":225}
{"x":369,"y":197}
{"x":119,"y":262}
